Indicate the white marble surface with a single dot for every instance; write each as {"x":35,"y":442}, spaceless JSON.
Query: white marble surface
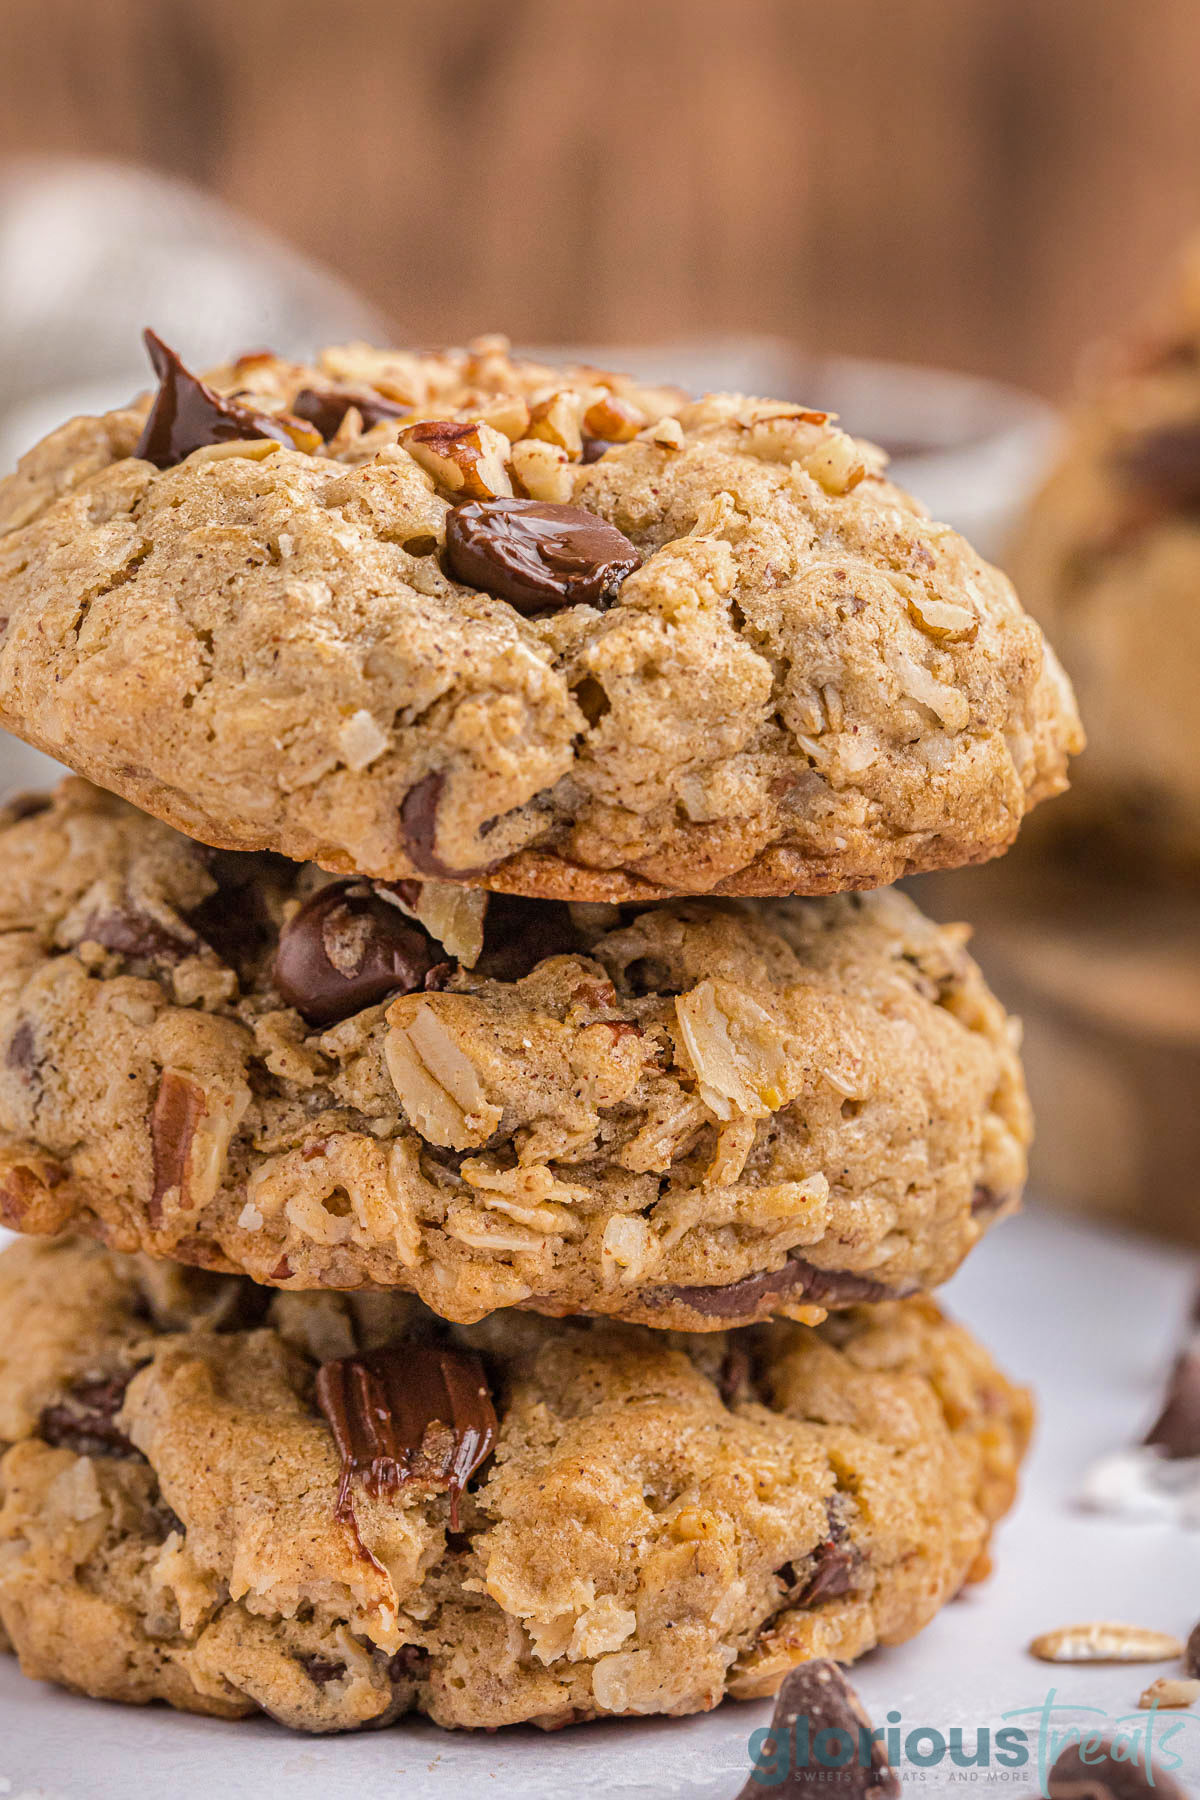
{"x":1090,"y":1318}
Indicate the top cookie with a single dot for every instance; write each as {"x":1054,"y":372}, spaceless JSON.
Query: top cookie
{"x":1109,"y":559}
{"x":342,"y":617}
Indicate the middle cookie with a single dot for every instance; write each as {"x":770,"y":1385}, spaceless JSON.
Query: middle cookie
{"x":694,"y":1114}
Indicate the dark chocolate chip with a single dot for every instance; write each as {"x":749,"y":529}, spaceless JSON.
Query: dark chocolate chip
{"x":187,"y":414}
{"x":21,"y":1053}
{"x":1176,"y":1431}
{"x":518,"y":934}
{"x":985,"y":1201}
{"x":755,"y":1295}
{"x":819,"y":1692}
{"x":84,"y":1419}
{"x":736,"y":1379}
{"x":25,"y":806}
{"x":1100,"y":1775}
{"x":411,"y":1412}
{"x":325,"y":408}
{"x":179,"y":1106}
{"x":836,"y":1562}
{"x":1191,"y":1656}
{"x":321,"y":1670}
{"x":128,"y":932}
{"x":594,"y":448}
{"x":418,"y":822}
{"x":1166,"y":462}
{"x":536,"y":555}
{"x":349,"y":947}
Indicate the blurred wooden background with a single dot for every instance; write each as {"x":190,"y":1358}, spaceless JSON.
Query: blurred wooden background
{"x":981,"y":183}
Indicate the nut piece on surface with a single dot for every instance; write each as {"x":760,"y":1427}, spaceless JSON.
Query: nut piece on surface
{"x":1105,"y":1641}
{"x":1170,"y":1691}
{"x":467,"y":461}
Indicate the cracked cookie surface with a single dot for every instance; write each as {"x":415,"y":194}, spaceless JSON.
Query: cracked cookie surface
{"x":695,"y":1113}
{"x":664,"y":1518}
{"x":806,"y":686}
{"x":1109,"y":560}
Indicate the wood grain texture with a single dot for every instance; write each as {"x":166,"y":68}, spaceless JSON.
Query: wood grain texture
{"x":983,"y":183}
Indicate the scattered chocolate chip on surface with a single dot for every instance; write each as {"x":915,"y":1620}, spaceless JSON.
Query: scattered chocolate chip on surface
{"x":1100,"y":1775}
{"x":536,"y":555}
{"x":1176,"y":1431}
{"x":349,"y":947}
{"x":408,"y":1413}
{"x":816,"y":1698}
{"x":187,"y":414}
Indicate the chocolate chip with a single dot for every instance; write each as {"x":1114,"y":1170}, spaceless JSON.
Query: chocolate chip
{"x":1166,"y":462}
{"x":25,"y":806}
{"x":536,"y":555}
{"x":594,"y":448}
{"x":1101,"y":1776}
{"x":1191,"y":1656}
{"x":805,"y":1761}
{"x":21,"y":1053}
{"x":187,"y":414}
{"x":518,"y":934}
{"x":83,"y":1420}
{"x":411,"y":1412}
{"x":1176,"y":1431}
{"x":347,"y":948}
{"x":985,"y":1201}
{"x":129,"y":932}
{"x":755,"y":1295}
{"x":325,"y":408}
{"x":179,"y":1107}
{"x":418,"y":822}
{"x":321,"y":1670}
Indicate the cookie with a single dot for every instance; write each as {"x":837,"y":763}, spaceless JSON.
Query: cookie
{"x":1109,"y":560}
{"x":338,"y":1510}
{"x":521,"y":628}
{"x":694,"y":1113}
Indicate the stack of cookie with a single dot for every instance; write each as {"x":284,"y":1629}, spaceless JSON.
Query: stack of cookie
{"x":480,"y":1227}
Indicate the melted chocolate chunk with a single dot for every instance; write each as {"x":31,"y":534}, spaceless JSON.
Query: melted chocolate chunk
{"x":84,"y":1419}
{"x":1166,"y":462}
{"x":128,"y":932}
{"x":756,"y":1294}
{"x":187,"y":414}
{"x":518,"y":934}
{"x":325,"y":408}
{"x":418,"y":822}
{"x":347,"y":948}
{"x":1101,"y":1776}
{"x":536,"y":555}
{"x":818,"y":1692}
{"x":1176,"y":1431}
{"x":409,"y":1413}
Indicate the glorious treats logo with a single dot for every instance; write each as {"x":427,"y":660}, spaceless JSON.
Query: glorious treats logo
{"x":1023,"y":1746}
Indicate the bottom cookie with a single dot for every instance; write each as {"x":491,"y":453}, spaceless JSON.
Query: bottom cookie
{"x":337,"y":1509}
